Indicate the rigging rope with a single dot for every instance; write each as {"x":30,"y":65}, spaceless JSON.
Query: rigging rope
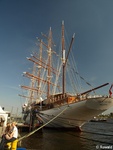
{"x":42,"y":125}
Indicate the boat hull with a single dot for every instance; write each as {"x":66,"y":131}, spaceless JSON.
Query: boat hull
{"x":77,"y":113}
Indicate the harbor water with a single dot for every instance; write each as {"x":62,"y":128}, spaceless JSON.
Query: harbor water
{"x":94,"y":136}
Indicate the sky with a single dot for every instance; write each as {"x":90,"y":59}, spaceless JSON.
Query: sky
{"x":21,"y":21}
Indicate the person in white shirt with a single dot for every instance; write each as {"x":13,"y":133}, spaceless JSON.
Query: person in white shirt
{"x":15,"y":130}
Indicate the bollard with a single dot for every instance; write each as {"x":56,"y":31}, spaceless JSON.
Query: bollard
{"x":14,"y":145}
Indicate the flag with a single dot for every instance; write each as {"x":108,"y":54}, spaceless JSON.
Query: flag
{"x":110,"y":91}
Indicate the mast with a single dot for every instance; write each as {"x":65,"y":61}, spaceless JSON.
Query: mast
{"x":39,"y":69}
{"x":32,"y":84}
{"x":69,"y":48}
{"x":49,"y":62}
{"x":63,"y":59}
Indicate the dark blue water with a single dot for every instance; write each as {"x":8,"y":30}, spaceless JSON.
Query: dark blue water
{"x":94,"y":136}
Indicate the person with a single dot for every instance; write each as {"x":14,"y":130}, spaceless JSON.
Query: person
{"x":11,"y":134}
{"x":6,"y":135}
{"x":8,"y":131}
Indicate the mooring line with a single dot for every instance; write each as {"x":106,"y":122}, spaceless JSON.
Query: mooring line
{"x":29,"y":134}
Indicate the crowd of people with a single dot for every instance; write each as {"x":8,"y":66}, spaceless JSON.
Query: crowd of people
{"x":10,"y":134}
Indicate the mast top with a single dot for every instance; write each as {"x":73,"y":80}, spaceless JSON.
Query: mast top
{"x":62,"y":22}
{"x":73,"y":35}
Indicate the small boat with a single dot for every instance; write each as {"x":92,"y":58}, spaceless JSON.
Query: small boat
{"x":22,"y":127}
{"x":98,"y":120}
{"x":55,"y":85}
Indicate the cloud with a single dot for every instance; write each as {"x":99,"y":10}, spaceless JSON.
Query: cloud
{"x":11,"y":87}
{"x":93,"y":79}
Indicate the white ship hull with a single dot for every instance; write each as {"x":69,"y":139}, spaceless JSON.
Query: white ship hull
{"x":77,"y":113}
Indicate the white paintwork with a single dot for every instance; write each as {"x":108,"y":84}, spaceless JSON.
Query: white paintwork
{"x":3,"y":115}
{"x":77,"y":113}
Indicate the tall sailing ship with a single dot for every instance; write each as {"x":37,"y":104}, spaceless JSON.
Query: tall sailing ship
{"x":55,"y":87}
